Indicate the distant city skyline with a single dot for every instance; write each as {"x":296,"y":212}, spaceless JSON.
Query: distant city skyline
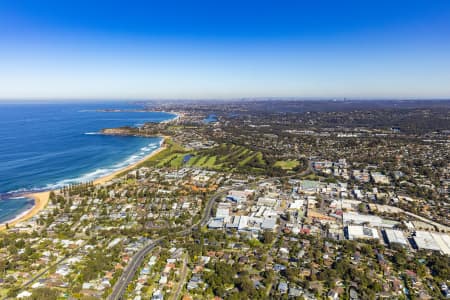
{"x":205,"y":50}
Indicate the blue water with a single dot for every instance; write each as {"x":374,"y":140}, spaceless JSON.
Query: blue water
{"x":186,"y":158}
{"x":212,"y":118}
{"x":10,"y":208}
{"x":46,"y":146}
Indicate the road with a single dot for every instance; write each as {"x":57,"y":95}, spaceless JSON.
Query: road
{"x":131,"y":269}
{"x":395,"y":209}
{"x":43,"y":272}
{"x":183,"y":275}
{"x":137,"y":259}
{"x":441,"y":227}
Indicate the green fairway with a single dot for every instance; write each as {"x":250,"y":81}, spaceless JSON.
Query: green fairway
{"x":224,"y":157}
{"x":171,"y":156}
{"x":177,"y":161}
{"x":211,"y":162}
{"x":287,"y":164}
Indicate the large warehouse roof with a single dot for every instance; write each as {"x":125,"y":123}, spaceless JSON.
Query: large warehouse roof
{"x":396,"y":237}
{"x":433,"y":241}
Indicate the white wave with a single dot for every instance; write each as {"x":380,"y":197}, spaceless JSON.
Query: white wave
{"x":18,"y":191}
{"x":17,"y":216}
{"x":92,"y":133}
{"x":16,"y":198}
{"x":91,"y":176}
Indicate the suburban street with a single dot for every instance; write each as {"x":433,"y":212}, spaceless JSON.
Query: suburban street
{"x":136,"y":261}
{"x":182,"y":280}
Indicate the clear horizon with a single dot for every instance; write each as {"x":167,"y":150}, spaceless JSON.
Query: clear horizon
{"x":106,"y":100}
{"x":143,"y":50}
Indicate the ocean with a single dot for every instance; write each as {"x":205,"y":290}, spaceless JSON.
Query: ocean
{"x":49,"y":145}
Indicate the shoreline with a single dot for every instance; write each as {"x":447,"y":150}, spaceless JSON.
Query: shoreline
{"x":177,"y":114}
{"x":41,"y":198}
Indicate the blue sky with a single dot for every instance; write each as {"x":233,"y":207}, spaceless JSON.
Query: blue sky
{"x":224,"y":49}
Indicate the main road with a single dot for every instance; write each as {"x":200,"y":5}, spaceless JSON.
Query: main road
{"x":137,"y":259}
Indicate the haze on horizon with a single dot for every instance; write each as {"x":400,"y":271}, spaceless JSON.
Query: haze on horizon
{"x":206,"y":49}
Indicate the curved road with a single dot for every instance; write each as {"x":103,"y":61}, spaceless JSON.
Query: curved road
{"x":137,"y":259}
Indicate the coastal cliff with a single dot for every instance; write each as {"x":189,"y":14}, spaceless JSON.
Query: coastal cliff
{"x":121,"y":131}
{"x":148,"y":130}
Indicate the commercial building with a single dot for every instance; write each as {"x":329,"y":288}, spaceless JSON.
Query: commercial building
{"x":432,"y":241}
{"x":395,"y":237}
{"x":360,"y":232}
{"x":359,"y":219}
{"x":239,"y":196}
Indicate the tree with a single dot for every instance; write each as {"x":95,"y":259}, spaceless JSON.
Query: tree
{"x":362,"y":208}
{"x":246,"y":286}
{"x":44,"y":293}
{"x":52,"y":197}
{"x":268,"y":237}
{"x":400,"y":259}
{"x":439,"y":265}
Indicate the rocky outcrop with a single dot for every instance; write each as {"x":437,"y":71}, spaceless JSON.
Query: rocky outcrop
{"x":121,"y":131}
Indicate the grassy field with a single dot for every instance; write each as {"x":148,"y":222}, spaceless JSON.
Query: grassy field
{"x":230,"y":157}
{"x":171,"y":156}
{"x":287,"y":164}
{"x":224,"y":157}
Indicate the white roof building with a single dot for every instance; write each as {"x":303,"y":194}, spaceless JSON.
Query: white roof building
{"x":235,"y":223}
{"x":379,"y":178}
{"x":222,"y":212}
{"x":269,"y":224}
{"x":265,"y":201}
{"x":355,"y":218}
{"x":240,"y":196}
{"x":361,"y":232}
{"x":424,"y":240}
{"x":163,"y":280}
{"x":243,"y":223}
{"x":215,"y":223}
{"x":297,"y":204}
{"x":433,"y":241}
{"x":24,"y":294}
{"x":443,"y":241}
{"x":396,"y":237}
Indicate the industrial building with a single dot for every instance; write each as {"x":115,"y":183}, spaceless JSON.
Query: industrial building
{"x":361,"y":232}
{"x":395,"y":237}
{"x":352,"y":218}
{"x":432,"y":241}
{"x":359,"y":219}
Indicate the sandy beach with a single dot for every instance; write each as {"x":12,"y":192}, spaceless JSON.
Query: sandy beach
{"x":107,"y":178}
{"x":40,"y":201}
{"x":178,"y":115}
{"x":41,"y":198}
